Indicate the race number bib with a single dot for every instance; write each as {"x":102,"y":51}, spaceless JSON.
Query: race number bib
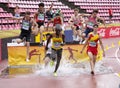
{"x":92,"y":44}
{"x":41,"y":17}
{"x":57,"y":44}
{"x":90,"y":24}
{"x":25,"y":25}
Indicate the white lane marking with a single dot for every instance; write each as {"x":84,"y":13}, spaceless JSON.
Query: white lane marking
{"x":116,"y":55}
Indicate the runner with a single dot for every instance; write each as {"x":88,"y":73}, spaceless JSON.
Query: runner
{"x":57,"y":41}
{"x":76,"y":24}
{"x":92,"y":19}
{"x":26,"y":30}
{"x":58,"y":19}
{"x":40,"y":19}
{"x":48,"y":52}
{"x":92,"y":46}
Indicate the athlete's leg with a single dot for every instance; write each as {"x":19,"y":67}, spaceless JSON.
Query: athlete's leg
{"x":47,"y":60}
{"x":41,"y":32}
{"x":91,"y":62}
{"x":59,"y":56}
{"x":74,"y":31}
{"x":94,"y":59}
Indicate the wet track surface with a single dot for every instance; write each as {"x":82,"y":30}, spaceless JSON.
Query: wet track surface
{"x":69,"y":75}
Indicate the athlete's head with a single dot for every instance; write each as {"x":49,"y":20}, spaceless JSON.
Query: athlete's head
{"x":58,"y":29}
{"x":95,"y":27}
{"x":17,"y":7}
{"x":95,"y":12}
{"x":57,"y":15}
{"x":41,"y":7}
{"x":48,"y":35}
{"x":27,"y":15}
{"x":76,"y":11}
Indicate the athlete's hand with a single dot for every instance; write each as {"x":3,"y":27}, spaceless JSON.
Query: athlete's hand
{"x":46,"y":48}
{"x":103,"y":54}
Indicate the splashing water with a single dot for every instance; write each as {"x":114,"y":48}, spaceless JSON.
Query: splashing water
{"x":69,"y":69}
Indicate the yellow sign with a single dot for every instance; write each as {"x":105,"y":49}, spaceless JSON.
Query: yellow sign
{"x":17,"y":54}
{"x":37,"y":38}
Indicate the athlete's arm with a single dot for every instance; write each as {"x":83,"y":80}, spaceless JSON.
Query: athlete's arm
{"x":70,"y":20}
{"x":34,"y":27}
{"x":101,"y":20}
{"x":34,"y":23}
{"x":16,"y":18}
{"x":86,"y":15}
{"x":48,"y":40}
{"x":86,"y":42}
{"x":61,"y":20}
{"x":35,"y":15}
{"x":101,"y":44}
{"x":50,"y":7}
{"x":49,"y":23}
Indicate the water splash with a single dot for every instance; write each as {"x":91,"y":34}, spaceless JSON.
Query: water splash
{"x":70,"y":69}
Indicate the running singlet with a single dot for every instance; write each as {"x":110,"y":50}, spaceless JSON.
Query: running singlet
{"x":40,"y":17}
{"x":93,"y":39}
{"x":91,"y":22}
{"x":56,"y":43}
{"x":57,"y":20}
{"x":77,"y":21}
{"x":26,"y":25}
{"x":17,"y":15}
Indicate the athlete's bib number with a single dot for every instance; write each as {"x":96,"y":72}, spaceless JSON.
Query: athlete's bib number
{"x":25,"y":26}
{"x":90,"y":25}
{"x":57,"y":44}
{"x":92,"y":44}
{"x":41,"y":17}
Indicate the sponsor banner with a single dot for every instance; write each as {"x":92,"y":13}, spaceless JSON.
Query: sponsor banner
{"x":17,"y":54}
{"x":109,"y":32}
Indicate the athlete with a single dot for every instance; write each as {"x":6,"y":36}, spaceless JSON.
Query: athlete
{"x":40,"y":19}
{"x":58,"y":19}
{"x":57,"y":42}
{"x":76,"y":22}
{"x":92,"y":46}
{"x":92,"y":19}
{"x":26,"y":29}
{"x":48,"y":52}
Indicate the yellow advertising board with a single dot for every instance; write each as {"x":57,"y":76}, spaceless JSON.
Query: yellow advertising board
{"x":17,"y":54}
{"x":37,"y":38}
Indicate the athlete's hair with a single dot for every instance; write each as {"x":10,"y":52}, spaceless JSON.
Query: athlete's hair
{"x":17,"y":7}
{"x":27,"y":13}
{"x":76,"y":9}
{"x":95,"y":11}
{"x":95,"y":25}
{"x":41,"y":4}
{"x":48,"y":34}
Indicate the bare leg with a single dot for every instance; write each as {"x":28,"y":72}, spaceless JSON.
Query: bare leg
{"x":19,"y":41}
{"x":47,"y":60}
{"x":41,"y":33}
{"x":59,"y":55}
{"x":94,"y":59}
{"x":91,"y":62}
